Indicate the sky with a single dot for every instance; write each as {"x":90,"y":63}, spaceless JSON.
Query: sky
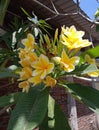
{"x":89,"y":7}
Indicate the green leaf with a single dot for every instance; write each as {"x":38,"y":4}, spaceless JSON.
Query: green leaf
{"x":90,"y":68}
{"x":81,"y":69}
{"x":85,"y":94}
{"x":3,"y":7}
{"x":6,"y":72}
{"x":25,"y":12}
{"x":84,"y":69}
{"x":9,"y":99}
{"x":7,"y":38}
{"x":61,"y":122}
{"x":55,"y":119}
{"x":36,"y":32}
{"x":43,"y":23}
{"x":94,"y":52}
{"x":97,"y":28}
{"x":51,"y":114}
{"x":30,"y":110}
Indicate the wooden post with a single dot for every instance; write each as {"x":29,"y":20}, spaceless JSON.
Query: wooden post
{"x":95,"y":84}
{"x":72,"y":111}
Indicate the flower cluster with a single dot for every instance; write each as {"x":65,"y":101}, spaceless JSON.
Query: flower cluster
{"x":46,"y":60}
{"x":35,"y":68}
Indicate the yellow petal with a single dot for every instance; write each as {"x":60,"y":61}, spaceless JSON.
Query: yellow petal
{"x":84,"y":43}
{"x":29,"y":42}
{"x":64,"y":65}
{"x":25,"y":86}
{"x":94,"y":74}
{"x":64,"y":40}
{"x":70,"y":68}
{"x":43,"y":59}
{"x":50,"y":68}
{"x":41,"y":63}
{"x":43,"y":74}
{"x":51,"y":82}
{"x":75,"y":32}
{"x":25,"y":73}
{"x":22,"y":53}
{"x":36,"y":72}
{"x":42,"y":66}
{"x":73,"y":38}
{"x":74,"y":60}
{"x":57,"y":59}
{"x":64,"y":57}
{"x":35,"y":80}
{"x":25,"y":62}
{"x":24,"y":41}
{"x":89,"y":59}
{"x":30,"y":37}
{"x":36,"y":65}
{"x":32,"y":56}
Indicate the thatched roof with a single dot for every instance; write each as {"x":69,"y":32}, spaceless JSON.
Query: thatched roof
{"x":44,"y":9}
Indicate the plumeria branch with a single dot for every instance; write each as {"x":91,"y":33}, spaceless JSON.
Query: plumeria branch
{"x":2,"y":111}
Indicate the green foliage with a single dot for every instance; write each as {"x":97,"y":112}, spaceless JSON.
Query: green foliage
{"x":93,"y":52}
{"x":55,"y":118}
{"x":3,"y":8}
{"x":30,"y":110}
{"x":97,"y":28}
{"x":85,"y":94}
{"x":26,"y":13}
{"x":39,"y":25}
{"x":81,"y":69}
{"x":11,"y":40}
{"x":10,"y":99}
{"x":7,"y":72}
{"x":84,"y":69}
{"x":96,"y":13}
{"x":17,"y":31}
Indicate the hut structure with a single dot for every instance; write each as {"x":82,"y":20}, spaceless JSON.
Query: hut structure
{"x":57,"y":13}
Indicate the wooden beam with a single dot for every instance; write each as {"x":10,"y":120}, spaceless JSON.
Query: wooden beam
{"x":72,"y":111}
{"x":95,"y":84}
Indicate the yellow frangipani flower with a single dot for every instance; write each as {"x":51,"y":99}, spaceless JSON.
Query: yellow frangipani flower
{"x":35,"y":80}
{"x":23,"y":53}
{"x":83,"y":43}
{"x":25,"y":73}
{"x":51,"y":82}
{"x":25,"y":62}
{"x":72,"y":32}
{"x":42,"y":66}
{"x":94,"y":73}
{"x":89,"y":60}
{"x":73,"y":38}
{"x":25,"y":86}
{"x":29,"y":42}
{"x":68,"y":64}
{"x":30,"y":57}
